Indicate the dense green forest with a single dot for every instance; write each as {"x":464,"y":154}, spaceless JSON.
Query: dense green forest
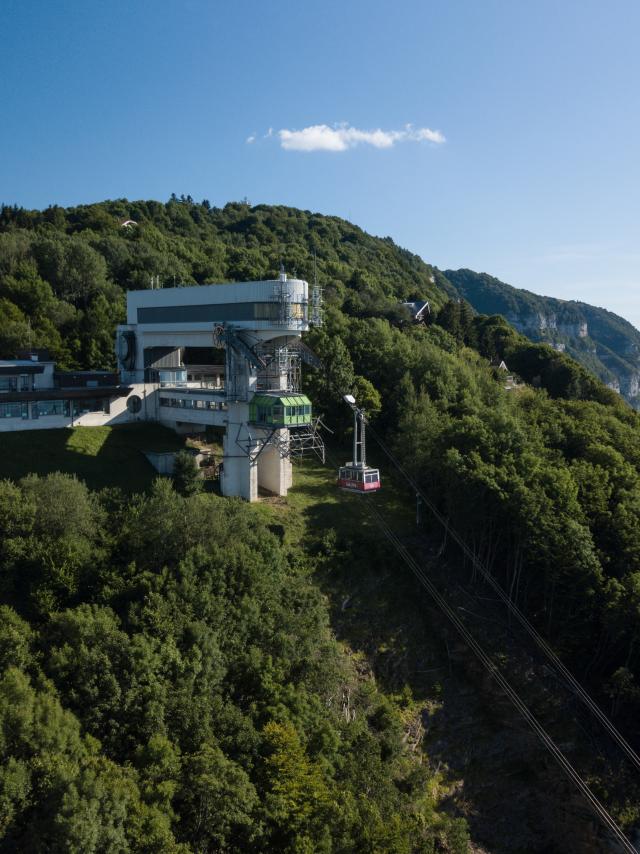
{"x":171,"y":678}
{"x":170,"y":683}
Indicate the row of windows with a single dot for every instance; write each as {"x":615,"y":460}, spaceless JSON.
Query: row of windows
{"x":191,"y":403}
{"x":14,"y":410}
{"x":371,"y":476}
{"x":274,"y":310}
{"x":277,"y":413}
{"x":43,"y":408}
{"x":24,"y":382}
{"x":175,"y":378}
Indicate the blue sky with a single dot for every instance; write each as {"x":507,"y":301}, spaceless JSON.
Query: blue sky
{"x":509,"y":130}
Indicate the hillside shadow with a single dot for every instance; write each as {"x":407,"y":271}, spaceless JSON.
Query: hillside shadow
{"x":389,"y":624}
{"x":100,"y":456}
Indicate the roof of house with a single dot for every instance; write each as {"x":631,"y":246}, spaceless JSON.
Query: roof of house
{"x":21,"y":366}
{"x":417,"y":308}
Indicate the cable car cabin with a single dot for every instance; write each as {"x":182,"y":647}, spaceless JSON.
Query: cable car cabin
{"x":358,"y":478}
{"x":280,"y":410}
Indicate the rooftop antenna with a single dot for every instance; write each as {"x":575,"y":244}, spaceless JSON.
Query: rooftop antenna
{"x":283,"y":275}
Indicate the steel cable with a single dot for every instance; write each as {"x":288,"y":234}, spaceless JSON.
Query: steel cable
{"x":493,"y":671}
{"x":570,"y":679}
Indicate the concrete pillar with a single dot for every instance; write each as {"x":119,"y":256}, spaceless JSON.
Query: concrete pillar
{"x":239,"y":472}
{"x":275,"y":472}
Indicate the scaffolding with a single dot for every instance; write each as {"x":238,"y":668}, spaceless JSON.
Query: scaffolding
{"x":316,"y":305}
{"x":292,"y":443}
{"x":282,"y":366}
{"x":281,"y":295}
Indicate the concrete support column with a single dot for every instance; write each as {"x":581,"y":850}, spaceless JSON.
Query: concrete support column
{"x":275,"y":472}
{"x":239,"y":472}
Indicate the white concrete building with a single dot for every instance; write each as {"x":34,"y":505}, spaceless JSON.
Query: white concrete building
{"x":256,"y":329}
{"x":225,"y":356}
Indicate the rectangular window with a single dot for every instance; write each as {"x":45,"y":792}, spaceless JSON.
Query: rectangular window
{"x":175,"y":378}
{"x":8,"y":383}
{"x":10,"y":410}
{"x":52,"y":407}
{"x":80,"y":407}
{"x":266,"y":311}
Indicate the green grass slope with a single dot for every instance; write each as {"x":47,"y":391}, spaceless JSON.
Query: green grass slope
{"x":101,"y":456}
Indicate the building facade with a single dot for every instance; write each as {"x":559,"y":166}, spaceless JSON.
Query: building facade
{"x":34,"y":396}
{"x":226,"y":356}
{"x":199,"y":356}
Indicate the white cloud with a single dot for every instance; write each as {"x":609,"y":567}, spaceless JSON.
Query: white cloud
{"x":251,"y":139}
{"x":343,"y":136}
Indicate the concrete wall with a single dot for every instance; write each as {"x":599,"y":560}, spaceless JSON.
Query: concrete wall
{"x":275,"y":473}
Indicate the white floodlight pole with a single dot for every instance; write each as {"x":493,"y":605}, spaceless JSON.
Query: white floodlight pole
{"x":358,"y":417}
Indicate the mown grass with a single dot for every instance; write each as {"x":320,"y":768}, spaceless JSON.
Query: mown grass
{"x":101,"y":456}
{"x":315,"y":504}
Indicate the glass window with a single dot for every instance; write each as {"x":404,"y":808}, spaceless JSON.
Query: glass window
{"x":175,"y":378}
{"x":10,"y":410}
{"x":266,"y":310}
{"x":80,"y":407}
{"x":52,"y":407}
{"x":8,"y":383}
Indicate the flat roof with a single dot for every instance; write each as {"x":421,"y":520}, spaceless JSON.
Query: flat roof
{"x":22,"y":363}
{"x":213,"y":296}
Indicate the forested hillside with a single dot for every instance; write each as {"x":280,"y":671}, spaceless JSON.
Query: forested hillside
{"x":606,"y":344}
{"x":64,"y":272}
{"x":213,"y":646}
{"x":169,"y":682}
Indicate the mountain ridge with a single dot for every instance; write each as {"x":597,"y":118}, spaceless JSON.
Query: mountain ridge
{"x":64,"y":273}
{"x":600,"y":340}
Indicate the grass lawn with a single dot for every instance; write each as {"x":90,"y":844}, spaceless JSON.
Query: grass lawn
{"x":101,"y":456}
{"x":315,"y":503}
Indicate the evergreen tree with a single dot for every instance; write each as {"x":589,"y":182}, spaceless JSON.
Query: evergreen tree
{"x":186,"y":474}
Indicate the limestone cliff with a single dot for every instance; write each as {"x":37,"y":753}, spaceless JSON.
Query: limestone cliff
{"x":603,"y":342}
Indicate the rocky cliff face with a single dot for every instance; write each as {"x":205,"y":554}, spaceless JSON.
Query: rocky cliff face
{"x":603,"y":342}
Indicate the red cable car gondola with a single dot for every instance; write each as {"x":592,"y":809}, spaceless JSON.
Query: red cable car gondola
{"x":357,"y":476}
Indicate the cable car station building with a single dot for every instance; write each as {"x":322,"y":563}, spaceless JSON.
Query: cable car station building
{"x":170,"y":354}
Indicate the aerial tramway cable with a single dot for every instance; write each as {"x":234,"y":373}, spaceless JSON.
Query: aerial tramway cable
{"x":598,"y":808}
{"x":570,"y":679}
